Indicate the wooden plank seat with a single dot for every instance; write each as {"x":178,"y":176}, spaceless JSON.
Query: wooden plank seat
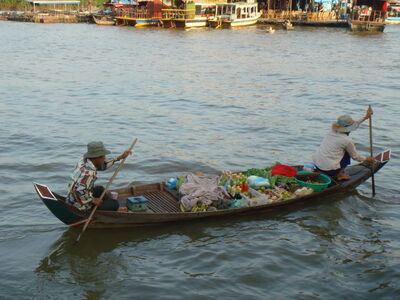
{"x":161,"y":202}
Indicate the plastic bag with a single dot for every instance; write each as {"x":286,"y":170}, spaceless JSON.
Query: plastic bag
{"x":283,"y":170}
{"x":171,"y":183}
{"x":256,"y":182}
{"x":239,"y":203}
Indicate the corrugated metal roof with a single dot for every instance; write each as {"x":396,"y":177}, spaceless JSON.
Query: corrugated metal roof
{"x":47,"y":2}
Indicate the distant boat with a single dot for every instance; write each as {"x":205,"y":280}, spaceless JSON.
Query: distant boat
{"x":288,"y":25}
{"x":104,"y":20}
{"x":193,"y":15}
{"x":270,"y":30}
{"x":393,"y":16}
{"x":367,"y":16}
{"x":145,"y":13}
{"x":235,"y":14}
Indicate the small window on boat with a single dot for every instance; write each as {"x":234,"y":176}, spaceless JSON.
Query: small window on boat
{"x":198,"y":10}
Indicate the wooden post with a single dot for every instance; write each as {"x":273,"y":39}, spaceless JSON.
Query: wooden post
{"x":371,"y":154}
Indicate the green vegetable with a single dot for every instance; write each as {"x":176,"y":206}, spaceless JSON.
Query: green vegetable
{"x":256,"y":172}
{"x":278,"y":179}
{"x":181,"y":180}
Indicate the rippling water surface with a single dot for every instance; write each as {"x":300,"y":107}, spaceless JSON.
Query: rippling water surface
{"x":198,"y":100}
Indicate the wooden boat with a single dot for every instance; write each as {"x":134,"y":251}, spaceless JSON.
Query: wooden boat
{"x":270,"y":30}
{"x":235,"y":14}
{"x":193,"y":15}
{"x":163,"y":204}
{"x":104,"y":20}
{"x":365,"y":18}
{"x":288,"y":25}
{"x":393,"y":16}
{"x":145,"y":13}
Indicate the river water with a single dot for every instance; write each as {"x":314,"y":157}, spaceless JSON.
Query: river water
{"x":197,"y":100}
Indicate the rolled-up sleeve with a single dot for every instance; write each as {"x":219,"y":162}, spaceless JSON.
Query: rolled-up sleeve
{"x":111,"y":162}
{"x":351,"y":149}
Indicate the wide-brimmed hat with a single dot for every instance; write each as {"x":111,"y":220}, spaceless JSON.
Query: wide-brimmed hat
{"x":345,"y":124}
{"x":96,"y":149}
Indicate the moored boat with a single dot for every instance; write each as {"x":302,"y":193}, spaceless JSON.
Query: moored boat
{"x":367,"y":16}
{"x":393,"y":16}
{"x":104,"y":20}
{"x":145,"y":13}
{"x":193,"y":15}
{"x":117,"y":5}
{"x":235,"y":14}
{"x":163,"y":204}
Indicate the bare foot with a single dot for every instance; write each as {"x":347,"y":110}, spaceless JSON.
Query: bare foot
{"x":341,"y":177}
{"x":124,"y":209}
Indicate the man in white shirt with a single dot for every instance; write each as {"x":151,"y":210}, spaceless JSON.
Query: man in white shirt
{"x":336,"y":149}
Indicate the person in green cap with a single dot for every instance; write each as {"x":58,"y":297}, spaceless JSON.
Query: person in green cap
{"x":83,"y":194}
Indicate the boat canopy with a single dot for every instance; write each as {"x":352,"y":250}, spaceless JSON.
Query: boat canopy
{"x":49,"y":2}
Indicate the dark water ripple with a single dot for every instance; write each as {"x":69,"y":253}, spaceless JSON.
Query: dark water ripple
{"x":205,"y":100}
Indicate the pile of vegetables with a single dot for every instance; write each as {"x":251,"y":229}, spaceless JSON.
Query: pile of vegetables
{"x":266,"y":188}
{"x":234,"y":183}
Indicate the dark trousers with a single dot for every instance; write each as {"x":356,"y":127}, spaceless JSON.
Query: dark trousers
{"x":346,"y":160}
{"x":108,"y":202}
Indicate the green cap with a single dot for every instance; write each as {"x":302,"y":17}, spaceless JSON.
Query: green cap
{"x":96,"y":149}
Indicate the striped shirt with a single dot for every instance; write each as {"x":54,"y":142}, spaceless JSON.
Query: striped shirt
{"x":82,"y":183}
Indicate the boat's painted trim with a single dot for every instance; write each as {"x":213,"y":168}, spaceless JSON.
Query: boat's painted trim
{"x":392,"y":20}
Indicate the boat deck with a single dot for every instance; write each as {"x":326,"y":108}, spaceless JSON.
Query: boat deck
{"x":160,"y":200}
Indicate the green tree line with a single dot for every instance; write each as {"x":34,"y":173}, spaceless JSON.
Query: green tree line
{"x":22,"y":5}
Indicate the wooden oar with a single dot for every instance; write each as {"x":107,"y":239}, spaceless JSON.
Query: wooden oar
{"x":104,"y":192}
{"x":371,"y":153}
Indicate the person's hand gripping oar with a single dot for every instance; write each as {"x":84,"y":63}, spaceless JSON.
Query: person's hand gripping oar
{"x":104,"y":192}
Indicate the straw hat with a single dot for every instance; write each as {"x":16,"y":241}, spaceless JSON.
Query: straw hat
{"x":345,"y":124}
{"x":96,"y":149}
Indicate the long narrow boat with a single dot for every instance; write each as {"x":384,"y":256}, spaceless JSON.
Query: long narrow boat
{"x":104,"y":20}
{"x":163,"y":205}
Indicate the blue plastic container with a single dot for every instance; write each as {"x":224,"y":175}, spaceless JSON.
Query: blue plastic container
{"x":137,"y":203}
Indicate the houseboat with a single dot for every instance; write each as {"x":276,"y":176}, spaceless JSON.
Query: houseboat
{"x":367,"y":16}
{"x":145,"y":13}
{"x":235,"y":14}
{"x":115,"y":5}
{"x":193,"y":15}
{"x":393,"y":16}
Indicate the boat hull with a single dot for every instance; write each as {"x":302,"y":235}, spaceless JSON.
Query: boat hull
{"x":366,"y":26}
{"x":104,"y":21}
{"x":138,"y":22}
{"x":392,"y":20}
{"x":190,"y":23}
{"x":147,"y":22}
{"x":233,"y":23}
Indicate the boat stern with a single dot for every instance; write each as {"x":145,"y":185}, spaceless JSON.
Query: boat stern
{"x":56,"y":206}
